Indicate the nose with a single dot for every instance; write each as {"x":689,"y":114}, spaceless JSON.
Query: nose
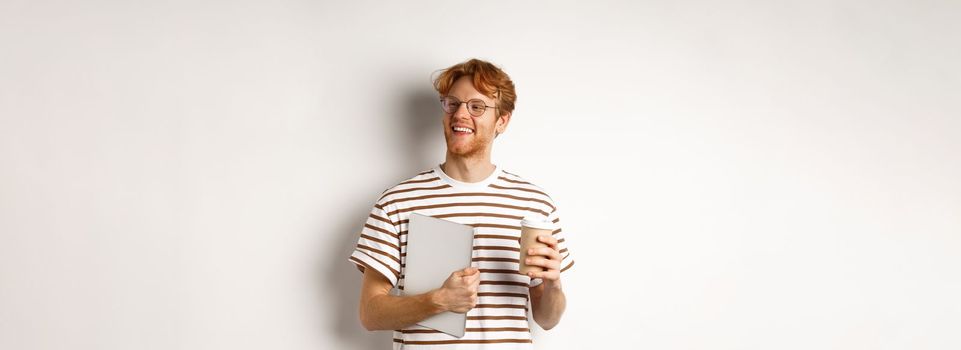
{"x":465,"y":113}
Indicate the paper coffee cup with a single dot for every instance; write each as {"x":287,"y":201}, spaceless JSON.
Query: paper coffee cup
{"x":530,"y":229}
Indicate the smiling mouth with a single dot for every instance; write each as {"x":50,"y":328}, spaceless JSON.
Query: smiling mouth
{"x":462,"y":130}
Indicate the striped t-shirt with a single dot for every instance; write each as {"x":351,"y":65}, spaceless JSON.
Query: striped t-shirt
{"x":494,"y":207}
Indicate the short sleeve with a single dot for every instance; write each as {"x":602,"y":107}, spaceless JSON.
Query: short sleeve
{"x":378,"y":246}
{"x":567,"y":261}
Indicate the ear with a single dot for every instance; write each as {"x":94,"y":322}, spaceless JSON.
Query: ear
{"x":501,"y":124}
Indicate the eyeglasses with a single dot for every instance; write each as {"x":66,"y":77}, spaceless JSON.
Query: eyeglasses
{"x":475,"y":107}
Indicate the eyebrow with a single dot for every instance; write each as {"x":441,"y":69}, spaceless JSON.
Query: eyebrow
{"x":461,"y":99}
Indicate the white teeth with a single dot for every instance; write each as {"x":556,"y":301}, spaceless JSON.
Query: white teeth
{"x":463,"y":129}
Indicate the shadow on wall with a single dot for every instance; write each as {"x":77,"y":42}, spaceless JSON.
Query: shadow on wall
{"x":422,"y":145}
{"x":417,"y":146}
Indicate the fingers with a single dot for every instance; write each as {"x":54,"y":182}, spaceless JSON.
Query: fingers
{"x":553,"y":275}
{"x":545,"y":263}
{"x":545,"y":257}
{"x":549,"y":240}
{"x":469,"y":276}
{"x":471,"y":280}
{"x":468,"y":271}
{"x":544,"y":251}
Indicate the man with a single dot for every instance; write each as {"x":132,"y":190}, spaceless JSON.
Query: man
{"x":477,"y":99}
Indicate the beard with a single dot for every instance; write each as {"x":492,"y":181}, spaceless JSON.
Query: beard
{"x":475,"y":147}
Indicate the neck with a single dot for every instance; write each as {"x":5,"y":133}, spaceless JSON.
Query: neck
{"x":467,"y":169}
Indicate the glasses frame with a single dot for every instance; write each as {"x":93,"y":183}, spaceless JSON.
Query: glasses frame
{"x":469,"y":110}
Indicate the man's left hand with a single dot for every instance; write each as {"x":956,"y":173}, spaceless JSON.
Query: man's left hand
{"x":547,"y":257}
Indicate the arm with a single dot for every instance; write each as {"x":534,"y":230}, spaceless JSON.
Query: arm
{"x":547,"y":299}
{"x":381,"y":311}
{"x":548,"y":304}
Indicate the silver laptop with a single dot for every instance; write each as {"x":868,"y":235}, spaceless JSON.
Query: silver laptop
{"x":435,"y":248}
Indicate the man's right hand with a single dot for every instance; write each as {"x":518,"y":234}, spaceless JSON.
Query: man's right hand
{"x":459,"y":292}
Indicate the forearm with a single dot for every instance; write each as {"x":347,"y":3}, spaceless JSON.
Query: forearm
{"x":387,"y":312}
{"x":548,"y":303}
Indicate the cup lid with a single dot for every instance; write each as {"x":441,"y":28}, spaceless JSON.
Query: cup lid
{"x":537,"y":223}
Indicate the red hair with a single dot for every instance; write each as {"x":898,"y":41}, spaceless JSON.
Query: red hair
{"x":488,"y":79}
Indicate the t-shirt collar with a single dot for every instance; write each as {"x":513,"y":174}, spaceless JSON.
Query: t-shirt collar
{"x":468,"y":185}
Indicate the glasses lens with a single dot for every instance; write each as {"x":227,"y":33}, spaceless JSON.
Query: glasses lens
{"x":477,"y":107}
{"x":449,"y":104}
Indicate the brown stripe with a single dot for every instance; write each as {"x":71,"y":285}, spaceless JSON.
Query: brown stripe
{"x":505,"y":283}
{"x":496,"y":259}
{"x":505,"y":216}
{"x":474,"y":330}
{"x":426,"y":172}
{"x":470,"y":194}
{"x":361,"y":265}
{"x":515,"y":181}
{"x":509,"y":260}
{"x":378,"y":251}
{"x":494,"y":247}
{"x":496,"y":294}
{"x":556,"y":231}
{"x":484,"y":258}
{"x":509,"y":227}
{"x":481,"y":258}
{"x":568,"y":266}
{"x":562,"y":251}
{"x":500,"y":306}
{"x":510,"y":272}
{"x":519,"y":189}
{"x":378,"y":240}
{"x":500,"y":329}
{"x":372,"y":216}
{"x":418,"y":181}
{"x":556,"y":220}
{"x":509,"y":238}
{"x":378,"y":229}
{"x":415,"y":189}
{"x":451,"y":215}
{"x":473,"y":204}
{"x":464,"y":341}
{"x":396,"y":274}
{"x":519,"y":318}
{"x":498,"y":271}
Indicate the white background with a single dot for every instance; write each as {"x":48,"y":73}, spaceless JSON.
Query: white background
{"x":752,"y":175}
